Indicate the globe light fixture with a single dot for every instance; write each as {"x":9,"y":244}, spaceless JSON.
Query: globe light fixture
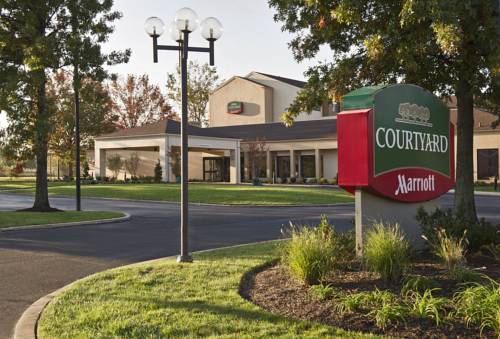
{"x":154,"y":26}
{"x":186,"y":20}
{"x":211,"y":29}
{"x":174,"y":32}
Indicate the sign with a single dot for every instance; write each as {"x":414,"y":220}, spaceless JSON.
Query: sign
{"x":235,"y":107}
{"x":399,"y":141}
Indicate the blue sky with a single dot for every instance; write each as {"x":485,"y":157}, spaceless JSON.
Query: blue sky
{"x":252,"y":41}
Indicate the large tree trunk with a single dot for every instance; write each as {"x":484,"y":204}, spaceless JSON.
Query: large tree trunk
{"x":464,"y":191}
{"x":41,"y":148}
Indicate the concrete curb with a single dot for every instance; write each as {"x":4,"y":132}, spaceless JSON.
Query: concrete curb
{"x":26,"y":326}
{"x":126,"y":217}
{"x":195,"y":203}
{"x":481,"y":193}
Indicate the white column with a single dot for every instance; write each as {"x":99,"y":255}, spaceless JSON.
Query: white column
{"x":269,"y":166}
{"x":163,"y":160}
{"x":246,"y":166}
{"x":235,"y":164}
{"x":100,"y":161}
{"x":168,"y":175}
{"x":317,"y":163}
{"x":292,"y":163}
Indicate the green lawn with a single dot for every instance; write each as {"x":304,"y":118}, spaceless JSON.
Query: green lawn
{"x":206,"y":193}
{"x":13,"y":218}
{"x":165,"y":299}
{"x":486,"y":188}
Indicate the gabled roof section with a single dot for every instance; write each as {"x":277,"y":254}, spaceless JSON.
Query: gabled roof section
{"x":155,"y":128}
{"x":238,"y":77}
{"x":293,"y":82}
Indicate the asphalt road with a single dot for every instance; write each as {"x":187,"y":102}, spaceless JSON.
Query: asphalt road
{"x":36,"y":262}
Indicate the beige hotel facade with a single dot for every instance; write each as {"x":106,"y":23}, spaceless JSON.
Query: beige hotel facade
{"x":247,"y":108}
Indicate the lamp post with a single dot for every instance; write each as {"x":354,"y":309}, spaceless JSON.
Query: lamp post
{"x":186,"y":22}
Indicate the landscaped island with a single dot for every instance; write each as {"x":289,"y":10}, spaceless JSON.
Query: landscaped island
{"x":20,"y":218}
{"x":198,"y":193}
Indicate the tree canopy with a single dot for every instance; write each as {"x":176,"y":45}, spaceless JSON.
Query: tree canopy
{"x":449,"y":47}
{"x":202,"y":79}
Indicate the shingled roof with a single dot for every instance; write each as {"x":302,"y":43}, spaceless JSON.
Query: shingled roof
{"x":311,"y":129}
{"x":293,"y":82}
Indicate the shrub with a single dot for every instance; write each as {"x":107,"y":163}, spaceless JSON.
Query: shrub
{"x":86,"y":170}
{"x":322,"y":292}
{"x":323,"y":181}
{"x":417,"y":283}
{"x":427,"y":306}
{"x":158,"y":172}
{"x":479,"y":305}
{"x":314,"y":252}
{"x":312,"y":181}
{"x":479,"y":233}
{"x":256,"y":181}
{"x":386,"y":310}
{"x":347,"y":303}
{"x":292,"y":180}
{"x":387,"y":252}
{"x":493,"y":250}
{"x":299,"y":180}
{"x":451,"y":251}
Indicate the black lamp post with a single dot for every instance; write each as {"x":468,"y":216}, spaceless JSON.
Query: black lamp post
{"x":186,"y":21}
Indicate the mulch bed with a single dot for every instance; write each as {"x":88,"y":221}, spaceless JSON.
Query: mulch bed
{"x":273,"y":289}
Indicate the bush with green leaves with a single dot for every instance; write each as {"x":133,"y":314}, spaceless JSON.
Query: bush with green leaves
{"x":426,"y":305}
{"x":479,"y":234}
{"x":115,"y":164}
{"x":158,"y":172}
{"x":314,"y":252}
{"x":322,"y":292}
{"x":479,"y":304}
{"x":387,"y":252}
{"x":417,"y":283}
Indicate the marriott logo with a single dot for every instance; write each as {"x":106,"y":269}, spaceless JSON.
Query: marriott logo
{"x":407,"y":185}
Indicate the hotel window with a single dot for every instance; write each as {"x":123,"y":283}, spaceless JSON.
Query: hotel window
{"x":487,"y":163}
{"x":283,"y":164}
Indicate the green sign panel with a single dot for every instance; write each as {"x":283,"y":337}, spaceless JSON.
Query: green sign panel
{"x":410,"y":127}
{"x":235,"y":107}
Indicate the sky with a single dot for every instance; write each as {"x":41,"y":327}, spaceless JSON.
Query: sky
{"x":251,"y":41}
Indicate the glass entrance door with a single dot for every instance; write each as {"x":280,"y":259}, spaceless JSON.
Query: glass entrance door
{"x":216,"y":169}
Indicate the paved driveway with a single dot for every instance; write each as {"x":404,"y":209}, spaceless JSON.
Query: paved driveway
{"x":36,"y":262}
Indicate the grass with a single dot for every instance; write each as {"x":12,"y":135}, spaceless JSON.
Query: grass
{"x":164,"y":299}
{"x":13,"y":218}
{"x":450,"y":250}
{"x":386,"y":252}
{"x":479,"y":304}
{"x":199,"y":193}
{"x":314,"y":252}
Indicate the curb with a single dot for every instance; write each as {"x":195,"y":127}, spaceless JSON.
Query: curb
{"x":26,"y":326}
{"x":481,"y":193}
{"x":126,"y":217}
{"x":196,"y":203}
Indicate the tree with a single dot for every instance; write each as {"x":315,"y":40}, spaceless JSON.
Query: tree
{"x":257,"y":152}
{"x":202,"y":79}
{"x":115,"y":164}
{"x":175,"y":162}
{"x":96,"y":118}
{"x":30,"y":47}
{"x":447,"y":47}
{"x":89,"y":26}
{"x":132,"y":164}
{"x":137,"y":102}
{"x":158,"y":172}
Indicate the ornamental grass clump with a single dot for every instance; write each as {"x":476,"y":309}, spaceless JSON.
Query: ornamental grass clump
{"x":387,"y":252}
{"x":479,"y":304}
{"x":450,"y":250}
{"x":314,"y":252}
